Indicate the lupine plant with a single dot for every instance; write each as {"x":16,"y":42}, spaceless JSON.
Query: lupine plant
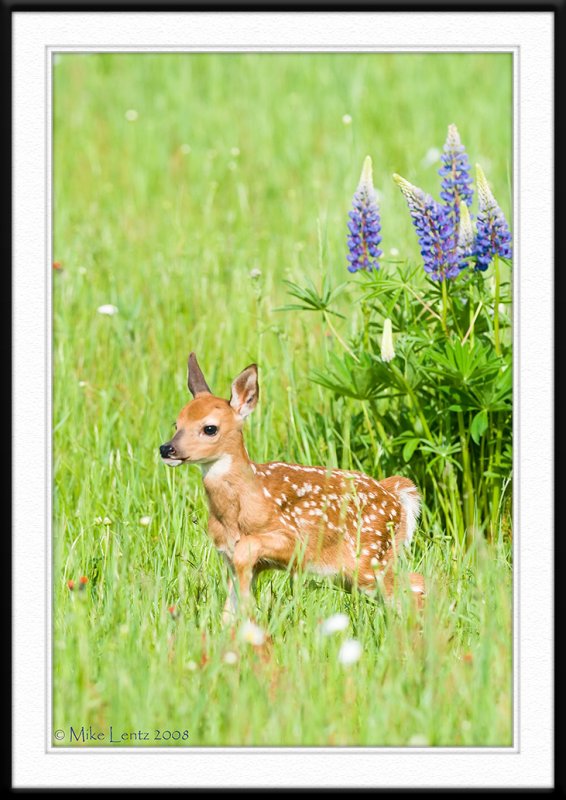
{"x":431,"y":368}
{"x":364,"y":225}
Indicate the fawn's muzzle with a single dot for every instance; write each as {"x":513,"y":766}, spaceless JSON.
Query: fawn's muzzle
{"x":167,"y":450}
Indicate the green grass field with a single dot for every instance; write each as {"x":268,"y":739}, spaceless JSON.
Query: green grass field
{"x":176,"y":176}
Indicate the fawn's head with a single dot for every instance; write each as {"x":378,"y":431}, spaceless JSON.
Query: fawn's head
{"x":210,"y":427}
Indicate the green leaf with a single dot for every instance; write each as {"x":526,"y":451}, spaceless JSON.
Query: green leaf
{"x":409,"y":449}
{"x":479,"y":426}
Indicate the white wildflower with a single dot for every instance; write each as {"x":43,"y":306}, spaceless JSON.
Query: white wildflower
{"x":431,"y":157}
{"x":145,"y":521}
{"x":230,"y":657}
{"x":334,"y":624}
{"x":107,"y":309}
{"x":252,"y":633}
{"x":350,"y":652}
{"x":131,"y":115}
{"x":418,"y":740}
{"x":347,"y":119}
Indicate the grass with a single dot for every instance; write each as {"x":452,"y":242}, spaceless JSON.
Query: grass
{"x":237,"y":163}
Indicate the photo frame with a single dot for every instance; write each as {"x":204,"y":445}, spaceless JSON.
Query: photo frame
{"x":529,"y":763}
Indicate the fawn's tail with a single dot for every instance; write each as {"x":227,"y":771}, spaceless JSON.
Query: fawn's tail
{"x":410,"y":501}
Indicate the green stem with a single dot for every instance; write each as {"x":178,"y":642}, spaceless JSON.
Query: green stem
{"x":444,"y":306}
{"x":414,"y":400}
{"x":496,"y":306}
{"x":467,"y":477}
{"x":496,"y":466}
{"x":337,"y":335}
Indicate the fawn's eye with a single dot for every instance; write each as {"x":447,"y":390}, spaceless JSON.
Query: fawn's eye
{"x":210,"y":430}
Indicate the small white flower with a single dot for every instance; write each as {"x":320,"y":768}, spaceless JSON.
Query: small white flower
{"x":82,"y":384}
{"x":252,"y":633}
{"x":191,"y":665}
{"x":145,"y":521}
{"x":255,"y":273}
{"x":350,"y":652}
{"x":83,"y":270}
{"x":230,"y":657}
{"x":131,"y":115}
{"x":432,"y":155}
{"x":185,"y":149}
{"x":107,"y":521}
{"x":387,"y":349}
{"x":98,"y":520}
{"x":347,"y":119}
{"x":393,"y":251}
{"x":334,"y":624}
{"x":235,"y":151}
{"x":107,"y":309}
{"x":418,"y":740}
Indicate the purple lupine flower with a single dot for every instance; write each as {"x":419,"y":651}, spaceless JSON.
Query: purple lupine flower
{"x":364,"y":225}
{"x":455,"y":173}
{"x":435,"y":229}
{"x":493,"y":235}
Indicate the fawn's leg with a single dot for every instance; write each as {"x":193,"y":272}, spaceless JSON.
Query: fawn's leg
{"x":249,"y":550}
{"x":416,"y":583}
{"x":244,"y":559}
{"x":231,"y":604}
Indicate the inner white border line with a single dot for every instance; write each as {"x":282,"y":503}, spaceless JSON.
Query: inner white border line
{"x":53,"y":50}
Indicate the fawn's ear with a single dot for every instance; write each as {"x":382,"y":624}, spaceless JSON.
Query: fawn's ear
{"x":245,"y":391}
{"x":196,"y":381}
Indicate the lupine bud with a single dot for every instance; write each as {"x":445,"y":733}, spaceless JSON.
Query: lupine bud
{"x":493,"y":236}
{"x":387,"y":349}
{"x":364,"y":225}
{"x":465,"y":236}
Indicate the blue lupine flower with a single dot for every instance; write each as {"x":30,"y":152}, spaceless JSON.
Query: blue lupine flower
{"x":455,"y":173}
{"x":364,"y":225}
{"x":493,"y":235}
{"x":435,"y":229}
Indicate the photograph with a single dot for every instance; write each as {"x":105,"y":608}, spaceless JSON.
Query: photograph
{"x":283,"y":332}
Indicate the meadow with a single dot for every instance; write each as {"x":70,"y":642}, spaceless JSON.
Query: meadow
{"x":187,"y":189}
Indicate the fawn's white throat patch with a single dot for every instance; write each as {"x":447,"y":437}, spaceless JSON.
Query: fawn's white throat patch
{"x":216,"y":469}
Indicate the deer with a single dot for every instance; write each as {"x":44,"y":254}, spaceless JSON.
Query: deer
{"x":327,"y":521}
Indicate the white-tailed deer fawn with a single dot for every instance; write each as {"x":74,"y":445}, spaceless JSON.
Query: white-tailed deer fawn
{"x":275,"y":515}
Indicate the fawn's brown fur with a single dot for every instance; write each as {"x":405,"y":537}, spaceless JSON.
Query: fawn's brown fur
{"x":275,"y":515}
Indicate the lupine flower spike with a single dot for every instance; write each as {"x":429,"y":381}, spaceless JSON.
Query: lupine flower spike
{"x":364,"y":225}
{"x":455,"y":173}
{"x":435,"y":230}
{"x":493,"y":237}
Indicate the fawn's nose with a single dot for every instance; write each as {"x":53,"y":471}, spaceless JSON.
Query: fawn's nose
{"x":167,"y":450}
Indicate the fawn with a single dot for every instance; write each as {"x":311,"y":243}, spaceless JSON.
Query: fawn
{"x":272,"y":516}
